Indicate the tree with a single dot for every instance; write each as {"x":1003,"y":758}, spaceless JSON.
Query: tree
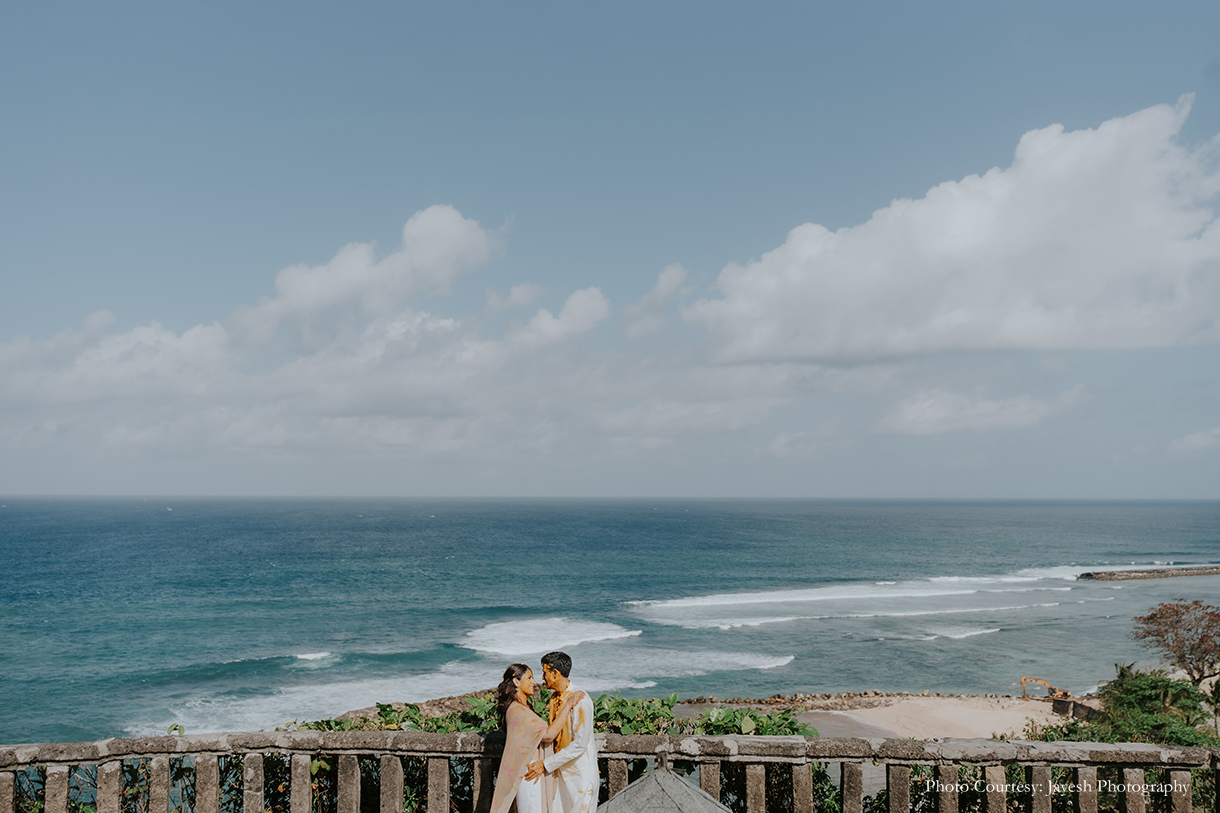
{"x":1214,"y":697}
{"x":1187,"y":633}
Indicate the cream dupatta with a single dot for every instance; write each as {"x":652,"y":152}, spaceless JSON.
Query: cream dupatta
{"x":522,"y":745}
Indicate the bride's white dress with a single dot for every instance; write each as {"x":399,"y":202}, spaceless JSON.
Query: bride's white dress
{"x":529,"y":796}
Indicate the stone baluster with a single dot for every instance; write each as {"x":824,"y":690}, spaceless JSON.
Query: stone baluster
{"x":617,"y":778}
{"x":207,"y":784}
{"x":1039,"y":779}
{"x":709,"y":779}
{"x":484,"y":773}
{"x":1179,"y":793}
{"x":947,"y":777}
{"x":391,"y":784}
{"x":110,"y":786}
{"x":8,"y":792}
{"x":995,"y":798}
{"x":898,"y":783}
{"x":1133,"y":790}
{"x":56,"y":789}
{"x":438,"y":784}
{"x":349,"y":784}
{"x":158,"y":785}
{"x":802,"y":787}
{"x":851,"y":787}
{"x":300,"y":784}
{"x":756,"y":788}
{"x":252,"y":784}
{"x":1085,"y":798}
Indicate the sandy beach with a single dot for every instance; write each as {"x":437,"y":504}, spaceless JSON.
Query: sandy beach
{"x":919,"y":716}
{"x":925,"y":718}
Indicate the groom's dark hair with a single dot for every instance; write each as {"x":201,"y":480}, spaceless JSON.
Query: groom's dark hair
{"x":559,"y":661}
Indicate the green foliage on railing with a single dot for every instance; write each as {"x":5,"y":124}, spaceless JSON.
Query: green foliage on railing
{"x":611,"y":714}
{"x":620,"y":715}
{"x":725,"y":720}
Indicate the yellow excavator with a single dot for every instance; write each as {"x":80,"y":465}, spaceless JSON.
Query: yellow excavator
{"x":1052,"y":692}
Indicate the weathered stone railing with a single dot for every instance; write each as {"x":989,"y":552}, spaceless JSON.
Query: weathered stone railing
{"x":794,"y":754}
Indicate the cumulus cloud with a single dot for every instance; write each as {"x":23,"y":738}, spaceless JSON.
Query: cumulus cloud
{"x":438,"y":245}
{"x":1084,"y":233}
{"x":87,"y":365}
{"x":580,"y":313}
{"x":935,"y":412}
{"x":1101,"y":238}
{"x":644,"y":316}
{"x":1197,"y":441}
{"x":519,"y":296}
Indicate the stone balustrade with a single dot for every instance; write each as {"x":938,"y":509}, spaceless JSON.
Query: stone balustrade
{"x":796,"y":757}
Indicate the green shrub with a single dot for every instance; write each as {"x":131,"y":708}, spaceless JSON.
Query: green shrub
{"x":1139,"y":707}
{"x":611,"y":713}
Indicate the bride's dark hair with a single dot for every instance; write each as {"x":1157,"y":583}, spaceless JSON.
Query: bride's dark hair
{"x":506,"y":692}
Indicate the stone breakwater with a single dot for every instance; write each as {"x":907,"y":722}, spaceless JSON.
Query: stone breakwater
{"x":1158,"y":573}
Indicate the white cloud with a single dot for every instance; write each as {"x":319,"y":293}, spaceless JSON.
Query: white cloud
{"x":438,"y":245}
{"x":346,"y":362}
{"x":581,"y":313}
{"x":644,"y":316}
{"x":935,"y":412}
{"x":1197,"y":441}
{"x":519,"y":296}
{"x":146,"y":361}
{"x":1091,"y":239}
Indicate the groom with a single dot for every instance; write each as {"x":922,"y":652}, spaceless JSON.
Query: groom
{"x":573,"y":766}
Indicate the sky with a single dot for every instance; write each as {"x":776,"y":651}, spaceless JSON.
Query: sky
{"x":790,"y":250}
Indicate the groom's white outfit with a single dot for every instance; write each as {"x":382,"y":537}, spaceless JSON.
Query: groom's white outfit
{"x":573,"y":766}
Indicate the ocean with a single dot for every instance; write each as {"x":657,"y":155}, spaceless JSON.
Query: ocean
{"x":126,"y":616}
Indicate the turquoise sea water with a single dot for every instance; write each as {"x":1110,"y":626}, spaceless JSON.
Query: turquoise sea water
{"x":124,"y":616}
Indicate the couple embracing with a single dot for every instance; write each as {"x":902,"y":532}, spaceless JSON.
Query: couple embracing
{"x":532,"y":778}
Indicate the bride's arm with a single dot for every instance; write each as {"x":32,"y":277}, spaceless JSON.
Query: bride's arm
{"x":562,"y":717}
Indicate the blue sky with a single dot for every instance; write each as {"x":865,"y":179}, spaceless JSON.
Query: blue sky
{"x":794,"y":250}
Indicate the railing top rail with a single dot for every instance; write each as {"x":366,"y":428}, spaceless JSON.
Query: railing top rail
{"x":698,"y":748}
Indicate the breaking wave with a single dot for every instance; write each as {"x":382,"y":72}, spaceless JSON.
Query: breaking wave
{"x":539,"y":635}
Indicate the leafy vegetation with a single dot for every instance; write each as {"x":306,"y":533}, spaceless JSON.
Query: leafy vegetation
{"x":1139,"y":707}
{"x":612,"y":714}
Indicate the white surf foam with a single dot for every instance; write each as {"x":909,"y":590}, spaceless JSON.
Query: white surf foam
{"x":945,"y":594}
{"x":211,"y":713}
{"x":614,"y":666}
{"x":834,"y":593}
{"x":736,"y":616}
{"x":538,"y":635}
{"x":957,"y":633}
{"x":312,"y":656}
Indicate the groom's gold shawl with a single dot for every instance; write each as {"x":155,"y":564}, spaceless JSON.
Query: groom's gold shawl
{"x":565,"y":733}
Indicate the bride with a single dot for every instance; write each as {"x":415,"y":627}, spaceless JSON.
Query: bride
{"x":526,"y":735}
